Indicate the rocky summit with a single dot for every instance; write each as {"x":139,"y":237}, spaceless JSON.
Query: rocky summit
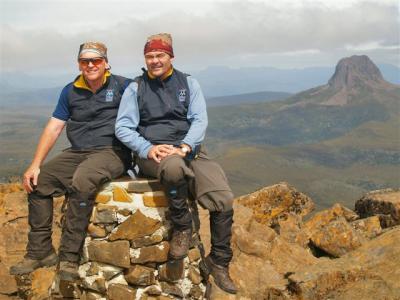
{"x":282,"y":249}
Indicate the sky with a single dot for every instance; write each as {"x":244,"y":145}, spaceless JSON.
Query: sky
{"x":44,"y":36}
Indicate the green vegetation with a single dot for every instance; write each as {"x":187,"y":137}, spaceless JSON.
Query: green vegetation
{"x":332,"y":153}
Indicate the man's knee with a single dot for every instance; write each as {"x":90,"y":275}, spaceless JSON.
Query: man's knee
{"x":48,"y":184}
{"x":217,"y":201}
{"x":87,"y":181}
{"x":173,"y":171}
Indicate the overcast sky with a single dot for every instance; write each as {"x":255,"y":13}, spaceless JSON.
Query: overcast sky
{"x":44,"y":36}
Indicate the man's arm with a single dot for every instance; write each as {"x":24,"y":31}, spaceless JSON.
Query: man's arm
{"x":126,"y":124}
{"x":128,"y":120}
{"x":197,"y":115}
{"x":47,"y":140}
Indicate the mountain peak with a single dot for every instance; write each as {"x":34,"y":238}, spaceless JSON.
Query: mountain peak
{"x":351,"y":71}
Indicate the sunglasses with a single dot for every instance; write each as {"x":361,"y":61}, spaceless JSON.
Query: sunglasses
{"x":84,"y":62}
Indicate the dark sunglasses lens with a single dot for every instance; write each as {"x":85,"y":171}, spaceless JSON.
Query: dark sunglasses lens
{"x":95,"y":61}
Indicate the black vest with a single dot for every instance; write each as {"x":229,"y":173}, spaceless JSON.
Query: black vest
{"x":163,"y":107}
{"x":92,"y":121}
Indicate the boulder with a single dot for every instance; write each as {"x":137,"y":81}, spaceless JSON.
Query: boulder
{"x":8,"y":285}
{"x":319,"y":230}
{"x":42,"y":280}
{"x":337,"y":237}
{"x":275,"y":202}
{"x":368,"y":227}
{"x":375,"y":263}
{"x":382,"y":203}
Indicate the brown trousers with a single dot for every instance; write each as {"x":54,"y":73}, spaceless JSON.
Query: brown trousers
{"x":79,"y":174}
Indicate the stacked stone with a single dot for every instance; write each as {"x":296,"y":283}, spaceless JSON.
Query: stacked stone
{"x":126,"y":251}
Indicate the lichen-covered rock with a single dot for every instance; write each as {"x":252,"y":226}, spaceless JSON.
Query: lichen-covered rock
{"x":114,"y":253}
{"x":42,"y":280}
{"x":8,"y":285}
{"x":275,"y":202}
{"x":326,"y":216}
{"x":383,"y":203}
{"x":368,"y":227}
{"x":137,"y":225}
{"x":289,"y":228}
{"x":265,"y":258}
{"x":314,"y":225}
{"x":337,"y":237}
{"x":377,"y":259}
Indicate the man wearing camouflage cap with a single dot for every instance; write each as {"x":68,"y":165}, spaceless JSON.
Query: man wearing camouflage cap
{"x":163,"y":118}
{"x":88,"y":108}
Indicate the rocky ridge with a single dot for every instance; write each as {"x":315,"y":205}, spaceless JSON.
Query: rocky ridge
{"x":284,"y":250}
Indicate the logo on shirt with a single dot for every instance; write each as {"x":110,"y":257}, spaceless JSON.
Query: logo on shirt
{"x":182,"y":95}
{"x":109,"y":95}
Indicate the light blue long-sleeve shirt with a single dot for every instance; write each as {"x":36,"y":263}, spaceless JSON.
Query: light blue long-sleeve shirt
{"x":128,"y":119}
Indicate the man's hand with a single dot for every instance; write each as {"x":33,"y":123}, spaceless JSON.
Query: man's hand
{"x":30,"y":178}
{"x":178,"y":151}
{"x":158,"y":152}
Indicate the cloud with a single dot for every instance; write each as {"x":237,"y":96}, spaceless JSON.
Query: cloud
{"x":237,"y":33}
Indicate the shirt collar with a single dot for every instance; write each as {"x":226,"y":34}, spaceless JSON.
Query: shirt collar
{"x":80,"y":82}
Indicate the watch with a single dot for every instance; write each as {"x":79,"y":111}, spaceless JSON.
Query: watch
{"x":185,"y":149}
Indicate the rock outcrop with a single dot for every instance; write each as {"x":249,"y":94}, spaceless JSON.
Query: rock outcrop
{"x":280,"y":250}
{"x":383,"y":203}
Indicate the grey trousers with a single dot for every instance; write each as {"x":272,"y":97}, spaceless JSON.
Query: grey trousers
{"x":205,"y":181}
{"x":77,"y":174}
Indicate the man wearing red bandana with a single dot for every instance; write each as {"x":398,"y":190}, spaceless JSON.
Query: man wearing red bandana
{"x":163,"y":119}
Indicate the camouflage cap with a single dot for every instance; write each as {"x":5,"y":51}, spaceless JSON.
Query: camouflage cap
{"x":159,"y":42}
{"x":95,"y":47}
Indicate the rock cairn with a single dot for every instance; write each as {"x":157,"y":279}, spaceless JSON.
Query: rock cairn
{"x":125,"y":254}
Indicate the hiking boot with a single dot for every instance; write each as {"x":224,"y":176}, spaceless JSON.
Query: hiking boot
{"x":179,"y":244}
{"x":28,"y":265}
{"x":220,"y":275}
{"x":68,"y":271}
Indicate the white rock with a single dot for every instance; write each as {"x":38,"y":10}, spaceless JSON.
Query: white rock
{"x":134,"y":253}
{"x":117,"y":279}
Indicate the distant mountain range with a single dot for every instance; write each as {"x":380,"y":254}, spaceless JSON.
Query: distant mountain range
{"x":247,"y":98}
{"x":334,"y":142}
{"x":216,"y":81}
